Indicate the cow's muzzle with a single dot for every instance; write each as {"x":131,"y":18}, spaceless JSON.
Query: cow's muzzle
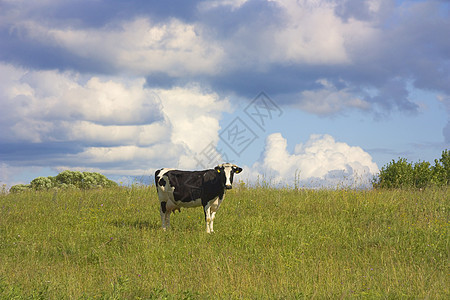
{"x":228,"y":187}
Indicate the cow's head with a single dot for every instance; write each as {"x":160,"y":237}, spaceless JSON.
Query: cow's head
{"x":227,"y":171}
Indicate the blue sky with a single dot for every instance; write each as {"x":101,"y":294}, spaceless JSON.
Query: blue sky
{"x":124,"y":88}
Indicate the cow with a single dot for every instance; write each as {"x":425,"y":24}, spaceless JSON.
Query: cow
{"x":177,"y":189}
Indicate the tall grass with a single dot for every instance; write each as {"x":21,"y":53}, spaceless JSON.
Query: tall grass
{"x":269,"y":243}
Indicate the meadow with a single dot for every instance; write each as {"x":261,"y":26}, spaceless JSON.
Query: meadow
{"x":269,"y":244}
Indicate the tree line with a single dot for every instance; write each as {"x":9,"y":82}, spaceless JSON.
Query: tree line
{"x":422,"y":174}
{"x":394,"y":175}
{"x":67,"y":180}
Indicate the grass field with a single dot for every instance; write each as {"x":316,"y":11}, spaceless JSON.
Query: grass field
{"x":269,"y":244}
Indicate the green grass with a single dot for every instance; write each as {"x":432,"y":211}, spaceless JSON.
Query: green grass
{"x":269,"y":243}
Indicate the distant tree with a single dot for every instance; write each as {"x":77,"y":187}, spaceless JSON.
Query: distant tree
{"x":445,"y":162}
{"x":395,"y":175}
{"x":41,"y":183}
{"x":402,"y":174}
{"x":422,"y":174}
{"x":20,"y":188}
{"x":438,"y":174}
{"x":94,"y":180}
{"x":67,"y":180}
{"x":83,"y":180}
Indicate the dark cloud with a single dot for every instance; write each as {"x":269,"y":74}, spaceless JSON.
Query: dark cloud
{"x":394,"y":95}
{"x":87,"y":13}
{"x":277,"y":80}
{"x":19,"y":48}
{"x":409,"y":50}
{"x":165,"y":81}
{"x":35,"y":55}
{"x":57,"y":154}
{"x":421,"y":51}
{"x":38,"y":154}
{"x":253,"y":15}
{"x":353,"y":9}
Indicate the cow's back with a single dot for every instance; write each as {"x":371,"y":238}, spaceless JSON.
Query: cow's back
{"x":190,"y":186}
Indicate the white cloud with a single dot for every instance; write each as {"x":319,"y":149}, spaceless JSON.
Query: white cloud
{"x":51,"y":106}
{"x":329,"y":100}
{"x":314,"y":34}
{"x":320,"y":161}
{"x":124,"y":128}
{"x":138,"y":46}
{"x":116,"y":123}
{"x":194,"y":118}
{"x":295,"y":32}
{"x":140,"y":135}
{"x":207,"y":5}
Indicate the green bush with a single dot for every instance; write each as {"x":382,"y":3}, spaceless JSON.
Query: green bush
{"x":445,"y":163}
{"x":41,"y":183}
{"x":422,"y":174}
{"x":66,"y":180}
{"x":403,"y":174}
{"x":20,"y":188}
{"x":396,"y":174}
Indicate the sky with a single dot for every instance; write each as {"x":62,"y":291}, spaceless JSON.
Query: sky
{"x":296,"y":92}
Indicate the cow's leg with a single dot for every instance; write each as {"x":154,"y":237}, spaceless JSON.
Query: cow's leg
{"x":211,"y":223}
{"x":207,"y":210}
{"x":213,"y":216}
{"x":214,"y":207}
{"x":163,"y":214}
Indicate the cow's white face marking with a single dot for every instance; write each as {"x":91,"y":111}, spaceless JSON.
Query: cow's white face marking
{"x":229,"y":170}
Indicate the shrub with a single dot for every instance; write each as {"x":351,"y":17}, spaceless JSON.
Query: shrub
{"x":95,"y":180}
{"x":445,"y":162}
{"x":395,"y":175}
{"x":20,"y":188}
{"x":403,"y":174}
{"x":422,"y":174}
{"x":70,"y":178}
{"x":67,"y":180}
{"x":41,"y":183}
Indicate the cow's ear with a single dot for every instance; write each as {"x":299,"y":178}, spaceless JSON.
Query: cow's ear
{"x":237,"y":170}
{"x":217,"y":169}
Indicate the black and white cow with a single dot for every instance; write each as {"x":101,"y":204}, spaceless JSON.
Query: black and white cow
{"x":206,"y":188}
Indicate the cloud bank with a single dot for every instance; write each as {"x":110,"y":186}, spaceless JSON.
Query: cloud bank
{"x":320,"y":162}
{"x":113,"y":125}
{"x":362,"y":53}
